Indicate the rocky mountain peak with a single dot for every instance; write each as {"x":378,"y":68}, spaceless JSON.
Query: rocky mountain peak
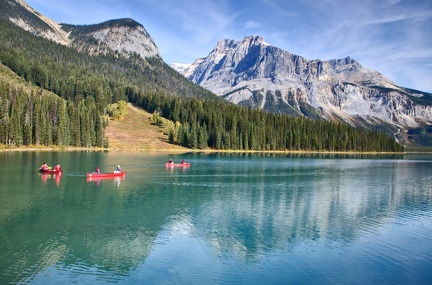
{"x":121,"y":36}
{"x":23,"y":15}
{"x":253,"y":40}
{"x":247,"y":41}
{"x":124,"y":36}
{"x":253,"y":73}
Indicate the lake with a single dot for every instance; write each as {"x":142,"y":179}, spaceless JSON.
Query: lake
{"x":226,"y":219}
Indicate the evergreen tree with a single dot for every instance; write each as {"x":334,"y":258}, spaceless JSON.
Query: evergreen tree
{"x":99,"y":131}
{"x":28,"y":122}
{"x":4,"y":115}
{"x":15,"y":127}
{"x":63,"y":134}
{"x":202,"y":137}
{"x":193,"y":136}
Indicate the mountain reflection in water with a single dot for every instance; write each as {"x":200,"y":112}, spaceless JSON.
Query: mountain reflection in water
{"x":238,"y":209}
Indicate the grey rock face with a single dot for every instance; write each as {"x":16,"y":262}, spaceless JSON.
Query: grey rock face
{"x":253,"y":73}
{"x":123,"y":36}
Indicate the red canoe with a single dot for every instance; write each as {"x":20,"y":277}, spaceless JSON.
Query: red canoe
{"x":50,"y":171}
{"x":106,"y":175}
{"x":97,"y":179}
{"x":177,"y":164}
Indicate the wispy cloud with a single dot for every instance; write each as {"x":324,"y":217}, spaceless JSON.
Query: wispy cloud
{"x":252,"y":25}
{"x":200,"y":20}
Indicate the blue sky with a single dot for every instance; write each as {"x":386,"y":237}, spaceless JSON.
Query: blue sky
{"x":393,"y":37}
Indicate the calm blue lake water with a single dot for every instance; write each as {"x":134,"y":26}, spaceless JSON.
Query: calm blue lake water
{"x":227,"y":219}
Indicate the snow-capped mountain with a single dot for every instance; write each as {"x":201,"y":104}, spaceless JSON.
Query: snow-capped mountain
{"x":123,"y":36}
{"x":253,"y":73}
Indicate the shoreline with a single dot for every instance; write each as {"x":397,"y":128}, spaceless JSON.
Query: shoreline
{"x":183,"y":150}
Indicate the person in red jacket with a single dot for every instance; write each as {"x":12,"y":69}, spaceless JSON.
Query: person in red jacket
{"x":44,"y":166}
{"x":57,"y":168}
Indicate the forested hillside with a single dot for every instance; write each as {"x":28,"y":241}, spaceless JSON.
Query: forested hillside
{"x":83,"y":86}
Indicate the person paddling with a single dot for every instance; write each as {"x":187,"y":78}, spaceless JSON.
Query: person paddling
{"x":57,"y":168}
{"x":44,"y":166}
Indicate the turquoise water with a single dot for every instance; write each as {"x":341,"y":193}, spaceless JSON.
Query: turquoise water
{"x":227,"y":219}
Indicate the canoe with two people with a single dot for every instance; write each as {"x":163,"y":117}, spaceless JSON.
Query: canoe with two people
{"x":117,"y":173}
{"x":46,"y":169}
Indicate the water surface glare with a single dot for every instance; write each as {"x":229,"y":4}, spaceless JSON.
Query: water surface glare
{"x":226,"y":219}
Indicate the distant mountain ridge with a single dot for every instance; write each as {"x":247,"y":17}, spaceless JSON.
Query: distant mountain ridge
{"x":253,"y":73}
{"x":31,"y":20}
{"x":122,"y":36}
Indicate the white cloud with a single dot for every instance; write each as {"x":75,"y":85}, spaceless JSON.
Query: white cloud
{"x":252,"y":25}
